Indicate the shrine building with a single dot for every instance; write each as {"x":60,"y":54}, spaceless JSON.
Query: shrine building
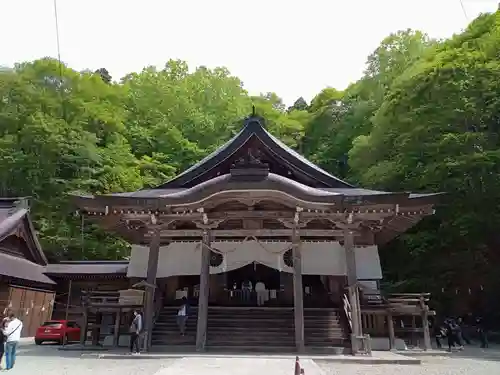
{"x":268,"y":248}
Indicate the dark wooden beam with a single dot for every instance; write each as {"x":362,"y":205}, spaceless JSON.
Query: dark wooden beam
{"x":225,"y":233}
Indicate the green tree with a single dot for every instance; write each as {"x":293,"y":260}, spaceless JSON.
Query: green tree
{"x":436,"y":130}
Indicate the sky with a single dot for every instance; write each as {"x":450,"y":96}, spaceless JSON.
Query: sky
{"x":294,"y":48}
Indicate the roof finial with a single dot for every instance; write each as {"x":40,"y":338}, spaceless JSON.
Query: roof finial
{"x":253,"y":110}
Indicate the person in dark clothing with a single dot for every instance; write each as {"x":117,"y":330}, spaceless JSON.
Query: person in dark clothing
{"x":457,"y":334}
{"x":481,"y":330}
{"x":439,"y":334}
{"x":135,"y":332}
{"x":464,"y":335}
{"x":452,"y":334}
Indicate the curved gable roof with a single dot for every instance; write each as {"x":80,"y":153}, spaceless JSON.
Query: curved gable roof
{"x":254,"y":127}
{"x":14,"y":216}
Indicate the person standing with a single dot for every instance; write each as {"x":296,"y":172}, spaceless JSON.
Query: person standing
{"x":135,"y":332}
{"x":182,"y":316}
{"x":463,"y":331}
{"x":12,"y":332}
{"x":260,"y":290}
{"x":3,"y":338}
{"x":246,"y":288}
{"x":439,"y":334}
{"x":481,"y":330}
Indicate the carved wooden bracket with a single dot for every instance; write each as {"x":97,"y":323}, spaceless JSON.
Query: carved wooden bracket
{"x":208,"y":224}
{"x":293,"y":224}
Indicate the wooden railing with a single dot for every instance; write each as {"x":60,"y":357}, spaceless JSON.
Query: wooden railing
{"x":347,"y":310}
{"x":378,"y":319}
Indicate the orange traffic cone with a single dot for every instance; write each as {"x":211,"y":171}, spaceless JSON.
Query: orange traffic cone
{"x":298,"y":370}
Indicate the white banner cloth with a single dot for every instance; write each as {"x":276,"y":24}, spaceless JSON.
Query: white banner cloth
{"x":318,"y":258}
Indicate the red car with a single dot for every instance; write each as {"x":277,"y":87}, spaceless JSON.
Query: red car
{"x":61,"y":331}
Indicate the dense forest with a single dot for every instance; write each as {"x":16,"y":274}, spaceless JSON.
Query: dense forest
{"x":425,"y":117}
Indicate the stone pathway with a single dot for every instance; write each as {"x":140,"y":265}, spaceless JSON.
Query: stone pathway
{"x":237,"y":366}
{"x":47,"y":360}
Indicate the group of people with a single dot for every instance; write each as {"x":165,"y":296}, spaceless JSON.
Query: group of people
{"x":10,"y":334}
{"x":260,"y":291}
{"x":452,"y":330}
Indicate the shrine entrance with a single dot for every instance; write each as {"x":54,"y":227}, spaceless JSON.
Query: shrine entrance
{"x":282,"y":211}
{"x":253,"y":273}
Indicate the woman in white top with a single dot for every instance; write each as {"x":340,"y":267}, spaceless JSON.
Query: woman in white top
{"x":260,"y":289}
{"x":182,"y":316}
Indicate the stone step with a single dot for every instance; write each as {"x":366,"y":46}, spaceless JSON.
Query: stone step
{"x":254,"y":343}
{"x":219,"y":348}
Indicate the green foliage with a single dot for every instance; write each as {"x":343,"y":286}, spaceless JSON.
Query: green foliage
{"x":64,"y":131}
{"x":424,"y":117}
{"x":437,"y":130}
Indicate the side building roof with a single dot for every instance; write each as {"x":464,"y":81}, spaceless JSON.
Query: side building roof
{"x":28,"y":261}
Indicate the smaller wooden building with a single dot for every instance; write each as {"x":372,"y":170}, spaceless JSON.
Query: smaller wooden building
{"x":24,"y":288}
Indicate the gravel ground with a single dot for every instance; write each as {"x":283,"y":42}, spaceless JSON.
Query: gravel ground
{"x":48,"y":360}
{"x":429,"y":366}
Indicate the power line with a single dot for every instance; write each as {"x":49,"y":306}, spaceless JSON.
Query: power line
{"x":56,"y":18}
{"x":61,"y":81}
{"x":464,"y":11}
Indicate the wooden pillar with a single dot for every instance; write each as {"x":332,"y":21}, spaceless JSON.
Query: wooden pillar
{"x":116,"y":333}
{"x":298,"y":292}
{"x":425,"y":324}
{"x":352,"y":282}
{"x":154,"y":254}
{"x":201,"y":328}
{"x":83,"y":331}
{"x":96,"y":329}
{"x":68,"y":300}
{"x":390,"y":328}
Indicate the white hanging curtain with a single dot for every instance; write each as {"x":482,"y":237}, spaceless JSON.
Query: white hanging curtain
{"x":318,"y":258}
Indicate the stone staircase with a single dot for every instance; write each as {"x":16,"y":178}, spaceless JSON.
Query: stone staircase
{"x":166,"y":332}
{"x":324,"y":328}
{"x":250,"y":328}
{"x":254,"y":329}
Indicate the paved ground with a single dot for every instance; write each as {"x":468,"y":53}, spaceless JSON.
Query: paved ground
{"x":47,"y":360}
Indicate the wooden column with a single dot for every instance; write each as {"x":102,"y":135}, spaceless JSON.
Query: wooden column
{"x":298,"y":292}
{"x":96,"y":329}
{"x":68,"y":300}
{"x":390,"y":328}
{"x":153,"y":256}
{"x":425,"y":324}
{"x":116,"y":333}
{"x":352,"y":281}
{"x":83,"y":331}
{"x":201,"y":328}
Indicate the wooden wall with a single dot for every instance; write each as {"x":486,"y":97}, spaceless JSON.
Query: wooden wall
{"x":32,"y":306}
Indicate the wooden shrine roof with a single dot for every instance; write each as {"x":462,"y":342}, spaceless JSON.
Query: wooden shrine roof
{"x":21,"y":255}
{"x":88,"y":268}
{"x":253,"y":168}
{"x":254,"y":128}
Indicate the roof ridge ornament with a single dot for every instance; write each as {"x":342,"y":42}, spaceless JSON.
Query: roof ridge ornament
{"x":254,"y":120}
